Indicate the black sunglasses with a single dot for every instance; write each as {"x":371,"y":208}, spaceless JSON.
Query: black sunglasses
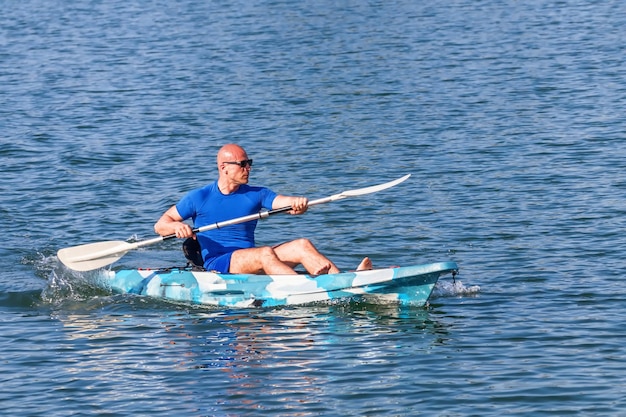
{"x":243,"y":164}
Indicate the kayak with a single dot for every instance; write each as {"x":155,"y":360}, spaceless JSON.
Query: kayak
{"x":410,"y":285}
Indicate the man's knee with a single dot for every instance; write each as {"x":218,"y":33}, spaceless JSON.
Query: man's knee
{"x":304,"y":244}
{"x":266,"y":252}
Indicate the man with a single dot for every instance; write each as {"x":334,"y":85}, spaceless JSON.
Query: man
{"x":231,"y":249}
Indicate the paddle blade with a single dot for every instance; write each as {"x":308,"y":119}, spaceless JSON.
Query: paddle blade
{"x":359,"y":191}
{"x":374,"y":188}
{"x":93,"y":255}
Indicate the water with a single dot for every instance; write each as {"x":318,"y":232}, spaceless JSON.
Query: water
{"x":508,"y":115}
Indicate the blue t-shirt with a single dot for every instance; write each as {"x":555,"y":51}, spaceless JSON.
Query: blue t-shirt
{"x":208,"y":205}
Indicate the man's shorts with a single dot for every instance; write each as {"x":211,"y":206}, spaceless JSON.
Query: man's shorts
{"x":219,"y":263}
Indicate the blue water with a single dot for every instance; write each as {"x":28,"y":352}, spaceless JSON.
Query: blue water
{"x":509,"y":115}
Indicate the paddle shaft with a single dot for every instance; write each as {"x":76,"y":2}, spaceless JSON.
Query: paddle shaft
{"x":244,"y":219}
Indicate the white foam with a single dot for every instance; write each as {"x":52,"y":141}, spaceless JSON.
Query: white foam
{"x":449,"y":288}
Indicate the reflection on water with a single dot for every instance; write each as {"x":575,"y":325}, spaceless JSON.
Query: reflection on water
{"x":272,"y":352}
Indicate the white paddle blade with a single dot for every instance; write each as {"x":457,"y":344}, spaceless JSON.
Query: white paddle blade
{"x":374,"y":188}
{"x":359,"y":191}
{"x":93,"y":255}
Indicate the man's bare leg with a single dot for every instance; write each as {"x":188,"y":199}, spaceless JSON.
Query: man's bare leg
{"x":303,"y":252}
{"x":258,"y":260}
{"x":283,"y":258}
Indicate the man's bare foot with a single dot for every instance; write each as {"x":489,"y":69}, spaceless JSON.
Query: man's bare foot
{"x":322,"y":270}
{"x":366,"y":264}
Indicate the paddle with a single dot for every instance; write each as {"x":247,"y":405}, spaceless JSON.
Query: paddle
{"x":100,"y":254}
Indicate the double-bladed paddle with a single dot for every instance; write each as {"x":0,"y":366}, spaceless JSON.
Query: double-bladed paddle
{"x":100,"y":254}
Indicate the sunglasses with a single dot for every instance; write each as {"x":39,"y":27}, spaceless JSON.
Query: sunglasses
{"x":243,"y":164}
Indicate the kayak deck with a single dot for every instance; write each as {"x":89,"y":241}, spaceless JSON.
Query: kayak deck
{"x":405,"y":285}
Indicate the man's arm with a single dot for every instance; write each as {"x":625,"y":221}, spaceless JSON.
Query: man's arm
{"x":171,"y":223}
{"x":298,"y":204}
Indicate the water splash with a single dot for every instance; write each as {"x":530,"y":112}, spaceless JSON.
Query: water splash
{"x":65,"y":284}
{"x":455,"y":288}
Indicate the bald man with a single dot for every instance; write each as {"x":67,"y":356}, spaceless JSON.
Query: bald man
{"x":232,"y":249}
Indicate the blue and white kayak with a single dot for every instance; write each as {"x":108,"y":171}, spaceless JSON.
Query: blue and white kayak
{"x":410,"y":285}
